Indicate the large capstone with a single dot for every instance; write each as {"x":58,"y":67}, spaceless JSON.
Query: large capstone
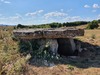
{"x":51,"y":33}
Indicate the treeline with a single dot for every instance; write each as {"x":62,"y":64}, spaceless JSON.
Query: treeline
{"x":55,"y":24}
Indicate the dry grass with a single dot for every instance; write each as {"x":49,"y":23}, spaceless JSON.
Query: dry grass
{"x":91,"y":36}
{"x":82,"y":26}
{"x":96,"y":32}
{"x":11,"y":62}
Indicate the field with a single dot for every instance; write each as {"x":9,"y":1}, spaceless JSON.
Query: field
{"x":13,"y":63}
{"x":89,"y":34}
{"x":88,"y":64}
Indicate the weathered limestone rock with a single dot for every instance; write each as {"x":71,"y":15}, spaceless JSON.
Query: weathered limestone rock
{"x":58,"y":40}
{"x":51,"y":43}
{"x":48,"y":33}
{"x":73,"y":46}
{"x":41,"y":43}
{"x":59,"y":46}
{"x":78,"y":45}
{"x":53,"y":46}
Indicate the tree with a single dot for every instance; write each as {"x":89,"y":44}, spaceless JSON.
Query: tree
{"x":99,"y":21}
{"x":21,"y":26}
{"x":93,"y":25}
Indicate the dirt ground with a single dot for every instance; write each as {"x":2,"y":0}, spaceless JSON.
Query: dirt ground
{"x":87,"y":63}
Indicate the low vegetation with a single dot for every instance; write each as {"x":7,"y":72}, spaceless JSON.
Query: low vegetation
{"x":54,"y":25}
{"x":91,"y":25}
{"x":11,"y":62}
{"x":15,"y":60}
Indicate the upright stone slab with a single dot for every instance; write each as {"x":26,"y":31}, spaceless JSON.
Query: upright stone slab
{"x":72,"y":42}
{"x":52,"y":44}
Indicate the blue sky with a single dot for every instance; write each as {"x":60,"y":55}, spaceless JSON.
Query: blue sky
{"x":47,"y":11}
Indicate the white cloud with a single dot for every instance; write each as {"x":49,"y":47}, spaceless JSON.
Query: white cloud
{"x":96,"y":6}
{"x":67,"y":19}
{"x":86,"y":6}
{"x":40,"y":11}
{"x":55,"y":15}
{"x":7,"y":2}
{"x":16,"y":17}
{"x":61,"y":10}
{"x":34,"y":13}
{"x":73,"y":18}
{"x":76,"y":18}
{"x":11,"y":19}
{"x":4,"y":1}
{"x":98,"y":16}
{"x":62,"y":17}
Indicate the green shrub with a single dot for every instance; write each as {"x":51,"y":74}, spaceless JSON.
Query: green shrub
{"x":70,"y":67}
{"x":93,"y":25}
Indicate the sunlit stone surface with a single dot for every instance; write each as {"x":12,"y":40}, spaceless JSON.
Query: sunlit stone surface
{"x":58,"y":40}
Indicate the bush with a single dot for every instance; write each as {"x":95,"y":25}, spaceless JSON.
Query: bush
{"x":99,"y":21}
{"x":93,"y":25}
